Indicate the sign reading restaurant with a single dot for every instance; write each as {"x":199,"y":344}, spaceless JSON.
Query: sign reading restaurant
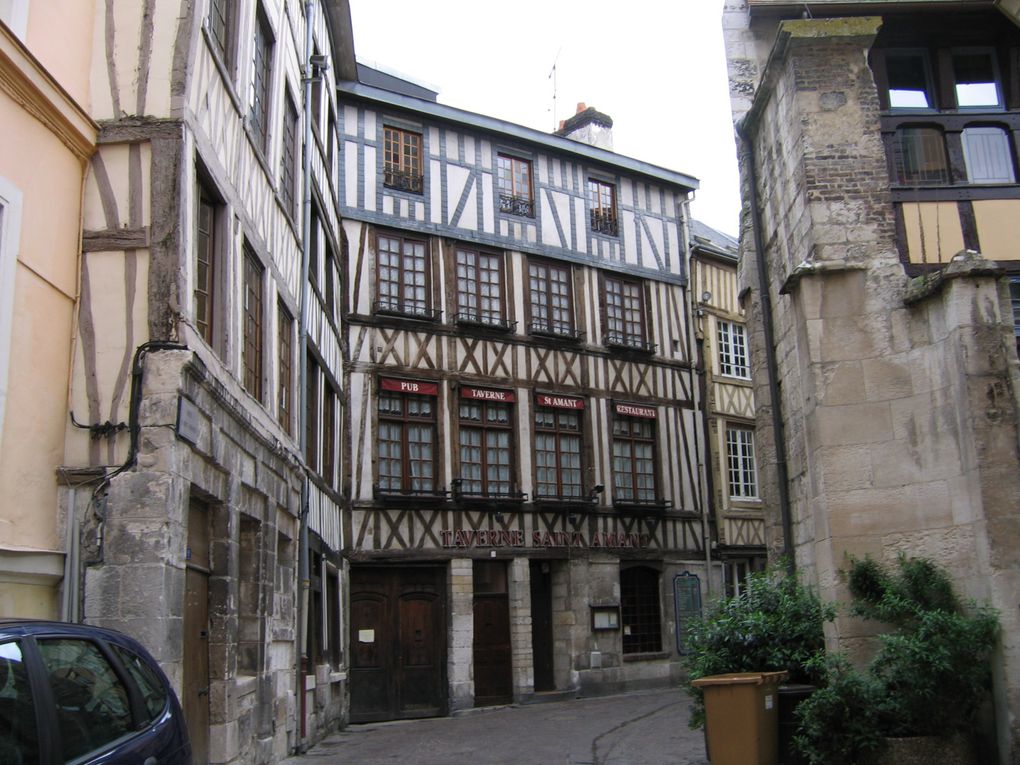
{"x":463,"y":538}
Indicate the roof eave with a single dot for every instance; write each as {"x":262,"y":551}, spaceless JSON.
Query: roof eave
{"x":518,"y":132}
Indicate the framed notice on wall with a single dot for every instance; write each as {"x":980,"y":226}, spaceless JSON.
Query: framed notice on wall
{"x":687,"y":602}
{"x":605,"y":617}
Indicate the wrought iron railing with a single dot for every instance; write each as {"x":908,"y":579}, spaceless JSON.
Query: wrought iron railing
{"x":480,"y":320}
{"x":552,"y":330}
{"x":512,"y":205}
{"x":604,"y":222}
{"x":629,"y":342}
{"x":406,"y":309}
{"x":404,"y":180}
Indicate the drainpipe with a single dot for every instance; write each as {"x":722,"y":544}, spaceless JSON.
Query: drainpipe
{"x":771,"y":366}
{"x":303,"y":575}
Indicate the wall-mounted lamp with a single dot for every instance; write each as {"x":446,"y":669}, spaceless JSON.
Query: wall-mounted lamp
{"x":574,"y":520}
{"x":498,"y":516}
{"x":595,"y":491}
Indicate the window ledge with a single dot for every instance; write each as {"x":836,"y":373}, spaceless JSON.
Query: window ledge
{"x":651,"y":656}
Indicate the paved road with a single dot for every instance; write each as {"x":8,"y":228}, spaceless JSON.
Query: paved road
{"x":647,"y":728}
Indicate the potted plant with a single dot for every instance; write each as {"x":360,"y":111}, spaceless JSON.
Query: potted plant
{"x":926,"y":683}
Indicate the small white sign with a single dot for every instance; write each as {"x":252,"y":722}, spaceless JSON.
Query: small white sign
{"x":366,"y":636}
{"x":768,"y":701}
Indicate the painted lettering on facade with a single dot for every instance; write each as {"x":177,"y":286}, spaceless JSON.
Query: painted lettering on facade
{"x":462,"y":538}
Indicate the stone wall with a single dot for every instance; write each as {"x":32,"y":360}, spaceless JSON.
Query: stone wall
{"x":899,"y":401}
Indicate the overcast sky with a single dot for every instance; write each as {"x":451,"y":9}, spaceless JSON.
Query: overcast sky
{"x":655,"y":66}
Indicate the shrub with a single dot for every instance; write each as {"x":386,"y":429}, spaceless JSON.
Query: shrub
{"x":929,"y":677}
{"x":838,"y":723}
{"x":774,"y":624}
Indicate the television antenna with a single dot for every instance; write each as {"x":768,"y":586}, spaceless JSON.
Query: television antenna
{"x":552,"y":76}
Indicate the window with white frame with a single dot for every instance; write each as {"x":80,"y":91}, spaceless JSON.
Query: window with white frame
{"x":741,"y":471}
{"x":733,"y":350}
{"x":1014,"y":294}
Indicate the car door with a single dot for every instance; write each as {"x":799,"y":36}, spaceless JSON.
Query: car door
{"x":98,"y":713}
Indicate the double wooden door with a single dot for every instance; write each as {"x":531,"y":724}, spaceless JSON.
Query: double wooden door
{"x":398,"y":643}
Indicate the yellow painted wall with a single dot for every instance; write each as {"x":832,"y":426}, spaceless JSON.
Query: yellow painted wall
{"x":934,"y":232}
{"x":998,"y":225}
{"x":59,"y":36}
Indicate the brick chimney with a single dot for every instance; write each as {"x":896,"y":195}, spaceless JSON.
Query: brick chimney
{"x":588,"y":126}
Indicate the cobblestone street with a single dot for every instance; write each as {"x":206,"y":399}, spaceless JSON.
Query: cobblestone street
{"x":646,"y":728}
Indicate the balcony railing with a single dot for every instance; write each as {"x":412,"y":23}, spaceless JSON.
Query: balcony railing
{"x":604,"y":222}
{"x":554,"y":330}
{"x":481,"y":320}
{"x":628,"y":342}
{"x":406,"y":309}
{"x":512,"y":205}
{"x":403,"y":180}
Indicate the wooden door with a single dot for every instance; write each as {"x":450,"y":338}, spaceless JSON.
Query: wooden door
{"x":492,"y":657}
{"x":398,"y":642}
{"x":541,"y":625}
{"x":195,"y":683}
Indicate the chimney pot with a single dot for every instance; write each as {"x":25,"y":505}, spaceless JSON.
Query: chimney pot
{"x":581,"y":107}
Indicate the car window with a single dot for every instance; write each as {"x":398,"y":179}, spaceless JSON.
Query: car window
{"x":92,"y":703}
{"x":151,"y":687}
{"x":19,"y":738}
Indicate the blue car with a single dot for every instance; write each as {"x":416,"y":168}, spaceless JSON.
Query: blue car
{"x":71,"y":693}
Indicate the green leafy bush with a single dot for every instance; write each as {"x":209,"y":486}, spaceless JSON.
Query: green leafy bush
{"x":928,"y":678}
{"x":839,"y":721}
{"x":775,"y":624}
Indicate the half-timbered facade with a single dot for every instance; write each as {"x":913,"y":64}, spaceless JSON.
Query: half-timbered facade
{"x":524,"y":444}
{"x":197,"y":514}
{"x":732,"y":479}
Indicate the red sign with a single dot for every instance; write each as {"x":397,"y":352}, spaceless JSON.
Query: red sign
{"x":485,"y":394}
{"x":410,"y":386}
{"x":559,"y":402}
{"x":633,"y":410}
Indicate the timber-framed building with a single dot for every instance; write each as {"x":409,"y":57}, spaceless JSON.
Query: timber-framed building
{"x":522,"y":431}
{"x":190,"y":503}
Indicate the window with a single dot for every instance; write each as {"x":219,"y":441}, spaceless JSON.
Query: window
{"x":975,"y":80}
{"x":407,"y":437}
{"x":288,"y":158}
{"x":285,"y":354}
{"x":1014,"y":294}
{"x":251,"y":352}
{"x":552,"y":305}
{"x":486,"y":442}
{"x":736,"y":572}
{"x":18,"y":706}
{"x":91,"y":703}
{"x":909,"y":82}
{"x":204,"y":295}
{"x":513,"y":176}
{"x":249,"y":619}
{"x":261,"y":82}
{"x":403,"y":282}
{"x":740,"y":463}
{"x":329,"y":409}
{"x":221,"y":23}
{"x":602,"y":203}
{"x":312,"y":413}
{"x":625,"y":325}
{"x":402,"y":160}
{"x":329,"y":282}
{"x":733,"y":350}
{"x":640,"y":610}
{"x":558,"y":447}
{"x":480,"y":288}
{"x":987,"y":155}
{"x":634,"y":454}
{"x":920,"y":157}
{"x":154,"y":695}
